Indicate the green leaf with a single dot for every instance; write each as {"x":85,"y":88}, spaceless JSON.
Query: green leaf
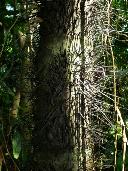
{"x":118,"y":129}
{"x":16,"y":144}
{"x":119,"y":162}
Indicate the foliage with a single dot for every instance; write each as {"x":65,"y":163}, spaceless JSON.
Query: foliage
{"x":14,"y":19}
{"x":16,"y":144}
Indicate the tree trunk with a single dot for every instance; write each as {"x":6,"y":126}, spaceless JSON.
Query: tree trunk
{"x":66,"y":85}
{"x":52,"y":143}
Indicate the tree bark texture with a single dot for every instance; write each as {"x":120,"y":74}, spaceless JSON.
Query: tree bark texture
{"x":66,"y":85}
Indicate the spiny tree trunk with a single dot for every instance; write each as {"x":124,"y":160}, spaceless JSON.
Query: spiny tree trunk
{"x":81,"y":114}
{"x":67,"y":92}
{"x":82,"y":41}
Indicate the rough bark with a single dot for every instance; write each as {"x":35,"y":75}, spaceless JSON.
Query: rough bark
{"x":66,"y":85}
{"x":52,"y":142}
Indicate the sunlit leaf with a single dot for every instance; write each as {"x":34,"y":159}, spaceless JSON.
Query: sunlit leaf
{"x":118,"y":129}
{"x":16,"y":144}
